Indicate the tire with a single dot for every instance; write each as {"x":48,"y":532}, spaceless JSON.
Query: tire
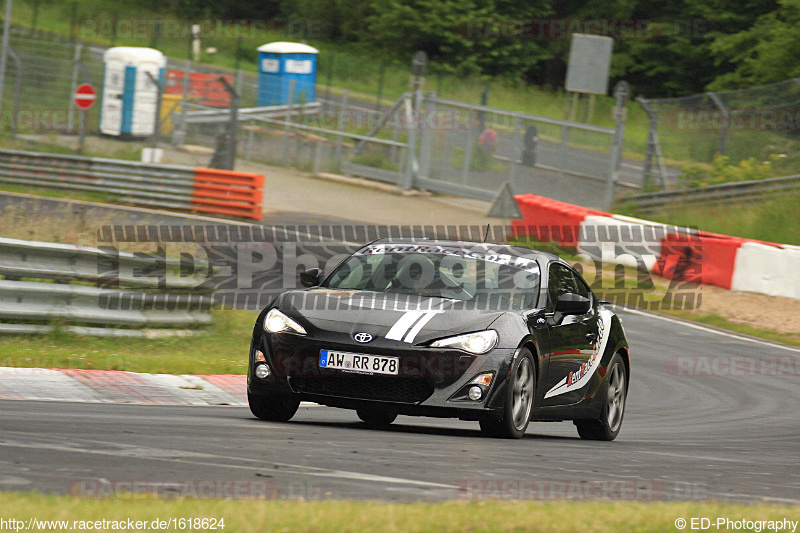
{"x":376,"y":418}
{"x":273,"y":408}
{"x":607,"y":427}
{"x":519,"y":401}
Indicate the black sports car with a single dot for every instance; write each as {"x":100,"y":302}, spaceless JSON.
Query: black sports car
{"x":494,"y":333}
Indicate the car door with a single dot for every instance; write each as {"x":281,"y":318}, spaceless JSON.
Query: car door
{"x":571,"y":340}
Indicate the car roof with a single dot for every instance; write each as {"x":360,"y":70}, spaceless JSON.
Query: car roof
{"x":470,"y":245}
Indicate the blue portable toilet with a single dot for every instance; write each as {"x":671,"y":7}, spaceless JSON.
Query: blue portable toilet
{"x":278,"y":64}
{"x":129,"y":98}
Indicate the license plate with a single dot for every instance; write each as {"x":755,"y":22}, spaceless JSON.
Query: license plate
{"x":358,"y":362}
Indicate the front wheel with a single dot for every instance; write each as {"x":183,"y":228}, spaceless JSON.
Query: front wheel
{"x":610,"y":422}
{"x":519,"y":401}
{"x":273,"y":408}
{"x":376,"y":417}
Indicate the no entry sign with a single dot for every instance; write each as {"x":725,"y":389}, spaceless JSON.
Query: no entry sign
{"x":84,"y":96}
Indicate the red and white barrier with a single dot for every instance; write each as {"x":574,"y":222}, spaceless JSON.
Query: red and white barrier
{"x":669,"y":251}
{"x":767,"y":269}
{"x":547,"y":220}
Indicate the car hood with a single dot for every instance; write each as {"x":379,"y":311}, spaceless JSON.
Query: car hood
{"x":388,"y":317}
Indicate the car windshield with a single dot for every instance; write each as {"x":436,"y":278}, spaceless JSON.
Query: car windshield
{"x":443,"y":272}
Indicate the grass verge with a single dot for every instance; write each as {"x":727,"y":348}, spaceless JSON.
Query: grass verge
{"x":721,"y":322}
{"x":219,"y":349}
{"x":772,"y":219}
{"x":346,"y":516}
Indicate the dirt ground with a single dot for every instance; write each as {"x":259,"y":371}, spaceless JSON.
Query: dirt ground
{"x":773,"y":313}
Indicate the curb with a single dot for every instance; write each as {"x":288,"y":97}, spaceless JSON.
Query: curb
{"x":116,"y":386}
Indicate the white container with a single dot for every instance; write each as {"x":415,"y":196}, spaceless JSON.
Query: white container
{"x":129,"y":98}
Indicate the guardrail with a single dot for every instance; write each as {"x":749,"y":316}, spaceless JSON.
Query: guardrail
{"x":167,"y":300}
{"x":221,"y":116}
{"x":712,"y":194}
{"x":169,"y":186}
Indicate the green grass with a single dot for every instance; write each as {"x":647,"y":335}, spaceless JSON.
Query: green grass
{"x":219,"y":349}
{"x":721,"y":322}
{"x":772,"y":219}
{"x":351,"y":516}
{"x":56,"y":193}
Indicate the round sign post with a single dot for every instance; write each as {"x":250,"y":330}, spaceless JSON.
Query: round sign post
{"x":84,"y":98}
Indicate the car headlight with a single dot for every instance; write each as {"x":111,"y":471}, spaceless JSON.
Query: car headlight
{"x":276,"y":322}
{"x":477,"y":343}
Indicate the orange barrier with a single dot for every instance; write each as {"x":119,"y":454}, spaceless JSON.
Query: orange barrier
{"x":548,"y":220}
{"x":226,"y":192}
{"x":203,"y":87}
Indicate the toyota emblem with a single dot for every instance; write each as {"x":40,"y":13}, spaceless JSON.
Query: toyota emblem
{"x":362,"y":337}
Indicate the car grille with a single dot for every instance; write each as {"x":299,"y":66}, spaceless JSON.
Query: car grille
{"x":391,"y":389}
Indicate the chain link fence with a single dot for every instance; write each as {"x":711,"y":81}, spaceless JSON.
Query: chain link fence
{"x":416,"y":140}
{"x":741,"y":124}
{"x":481,"y":147}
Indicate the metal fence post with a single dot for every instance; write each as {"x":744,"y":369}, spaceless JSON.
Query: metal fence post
{"x":239,"y":81}
{"x":340,"y":123}
{"x":74,"y":85}
{"x":317,"y":156}
{"x":726,"y":118}
{"x":17,"y":88}
{"x":562,"y":158}
{"x":179,"y":133}
{"x":411,"y":142}
{"x":426,"y":138}
{"x":467,"y":156}
{"x":328,"y":76}
{"x":621,"y":93}
{"x":4,"y":51}
{"x":157,"y":119}
{"x":233,"y":123}
{"x":248,"y":152}
{"x":512,"y":173}
{"x":647,"y":172}
{"x":395,"y":137}
{"x":287,"y":124}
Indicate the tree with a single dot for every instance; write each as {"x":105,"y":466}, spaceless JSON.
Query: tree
{"x":764,"y":53}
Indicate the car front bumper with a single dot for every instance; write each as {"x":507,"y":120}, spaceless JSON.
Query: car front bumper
{"x":430,"y":382}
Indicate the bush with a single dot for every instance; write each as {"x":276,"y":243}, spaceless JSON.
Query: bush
{"x":722,"y":171}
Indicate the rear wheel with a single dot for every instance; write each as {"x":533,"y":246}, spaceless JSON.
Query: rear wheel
{"x":274,"y":408}
{"x":610,"y":422}
{"x":376,"y":417}
{"x":519,"y":401}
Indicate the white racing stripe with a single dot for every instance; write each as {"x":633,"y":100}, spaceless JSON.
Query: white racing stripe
{"x":402,"y":325}
{"x":409,"y":325}
{"x":419,"y":325}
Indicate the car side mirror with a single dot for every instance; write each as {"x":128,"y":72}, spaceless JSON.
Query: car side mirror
{"x":311,"y":277}
{"x":573,"y":304}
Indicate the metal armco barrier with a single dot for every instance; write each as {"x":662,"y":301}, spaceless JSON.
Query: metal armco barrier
{"x":172,"y":301}
{"x":713,"y":194}
{"x":221,"y":116}
{"x":168,"y":186}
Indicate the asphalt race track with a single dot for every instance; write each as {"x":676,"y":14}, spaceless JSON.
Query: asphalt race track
{"x":728,"y":436}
